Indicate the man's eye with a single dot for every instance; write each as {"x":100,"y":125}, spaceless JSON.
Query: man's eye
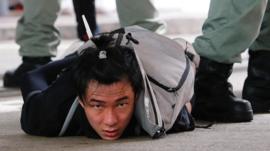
{"x":121,"y":105}
{"x":96,"y":106}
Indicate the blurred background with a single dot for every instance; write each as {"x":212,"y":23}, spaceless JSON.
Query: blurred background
{"x":177,"y":12}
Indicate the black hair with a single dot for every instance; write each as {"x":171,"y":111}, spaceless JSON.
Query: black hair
{"x":119,"y":64}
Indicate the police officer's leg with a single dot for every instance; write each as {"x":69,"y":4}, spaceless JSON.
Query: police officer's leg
{"x":37,"y":36}
{"x":257,"y":85}
{"x":231,"y":27}
{"x":36,"y":33}
{"x":140,"y":12}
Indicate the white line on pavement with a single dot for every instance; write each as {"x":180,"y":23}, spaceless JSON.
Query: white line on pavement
{"x":10,"y":106}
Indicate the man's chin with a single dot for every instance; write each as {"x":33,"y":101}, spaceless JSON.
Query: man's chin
{"x":110,"y":138}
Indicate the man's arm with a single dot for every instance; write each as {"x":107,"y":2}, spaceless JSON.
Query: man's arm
{"x":47,"y":98}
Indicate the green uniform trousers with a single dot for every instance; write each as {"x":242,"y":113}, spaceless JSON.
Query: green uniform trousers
{"x":35,"y":32}
{"x":140,"y":12}
{"x":232,"y":26}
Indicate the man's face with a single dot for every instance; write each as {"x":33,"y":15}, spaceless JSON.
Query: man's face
{"x":109,"y":108}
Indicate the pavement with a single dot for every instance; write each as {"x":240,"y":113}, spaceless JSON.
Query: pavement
{"x":248,"y":136}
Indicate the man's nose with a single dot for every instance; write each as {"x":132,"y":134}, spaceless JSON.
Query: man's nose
{"x":110,"y":118}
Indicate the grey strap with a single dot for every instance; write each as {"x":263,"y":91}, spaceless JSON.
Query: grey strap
{"x":69,"y":116}
{"x":32,"y":94}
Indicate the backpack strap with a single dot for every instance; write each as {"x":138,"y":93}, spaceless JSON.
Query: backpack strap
{"x":69,"y":116}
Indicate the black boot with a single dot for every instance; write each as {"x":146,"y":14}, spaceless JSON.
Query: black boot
{"x":257,"y":85}
{"x":215,"y":100}
{"x":11,"y":79}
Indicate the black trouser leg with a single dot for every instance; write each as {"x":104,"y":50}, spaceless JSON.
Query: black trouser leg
{"x":87,"y":8}
{"x":257,"y":85}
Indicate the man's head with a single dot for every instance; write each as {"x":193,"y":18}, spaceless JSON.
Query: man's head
{"x":107,"y":80}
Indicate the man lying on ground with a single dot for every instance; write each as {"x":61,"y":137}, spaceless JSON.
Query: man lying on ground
{"x":110,"y":83}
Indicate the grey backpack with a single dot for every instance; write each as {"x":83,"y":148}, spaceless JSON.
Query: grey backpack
{"x":168,"y":72}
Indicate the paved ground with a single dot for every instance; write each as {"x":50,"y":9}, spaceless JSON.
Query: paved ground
{"x":249,"y":136}
{"x":220,"y":137}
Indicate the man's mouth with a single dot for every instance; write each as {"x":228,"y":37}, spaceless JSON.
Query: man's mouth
{"x":110,"y":133}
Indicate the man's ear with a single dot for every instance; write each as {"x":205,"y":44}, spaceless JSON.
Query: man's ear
{"x":81,"y":103}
